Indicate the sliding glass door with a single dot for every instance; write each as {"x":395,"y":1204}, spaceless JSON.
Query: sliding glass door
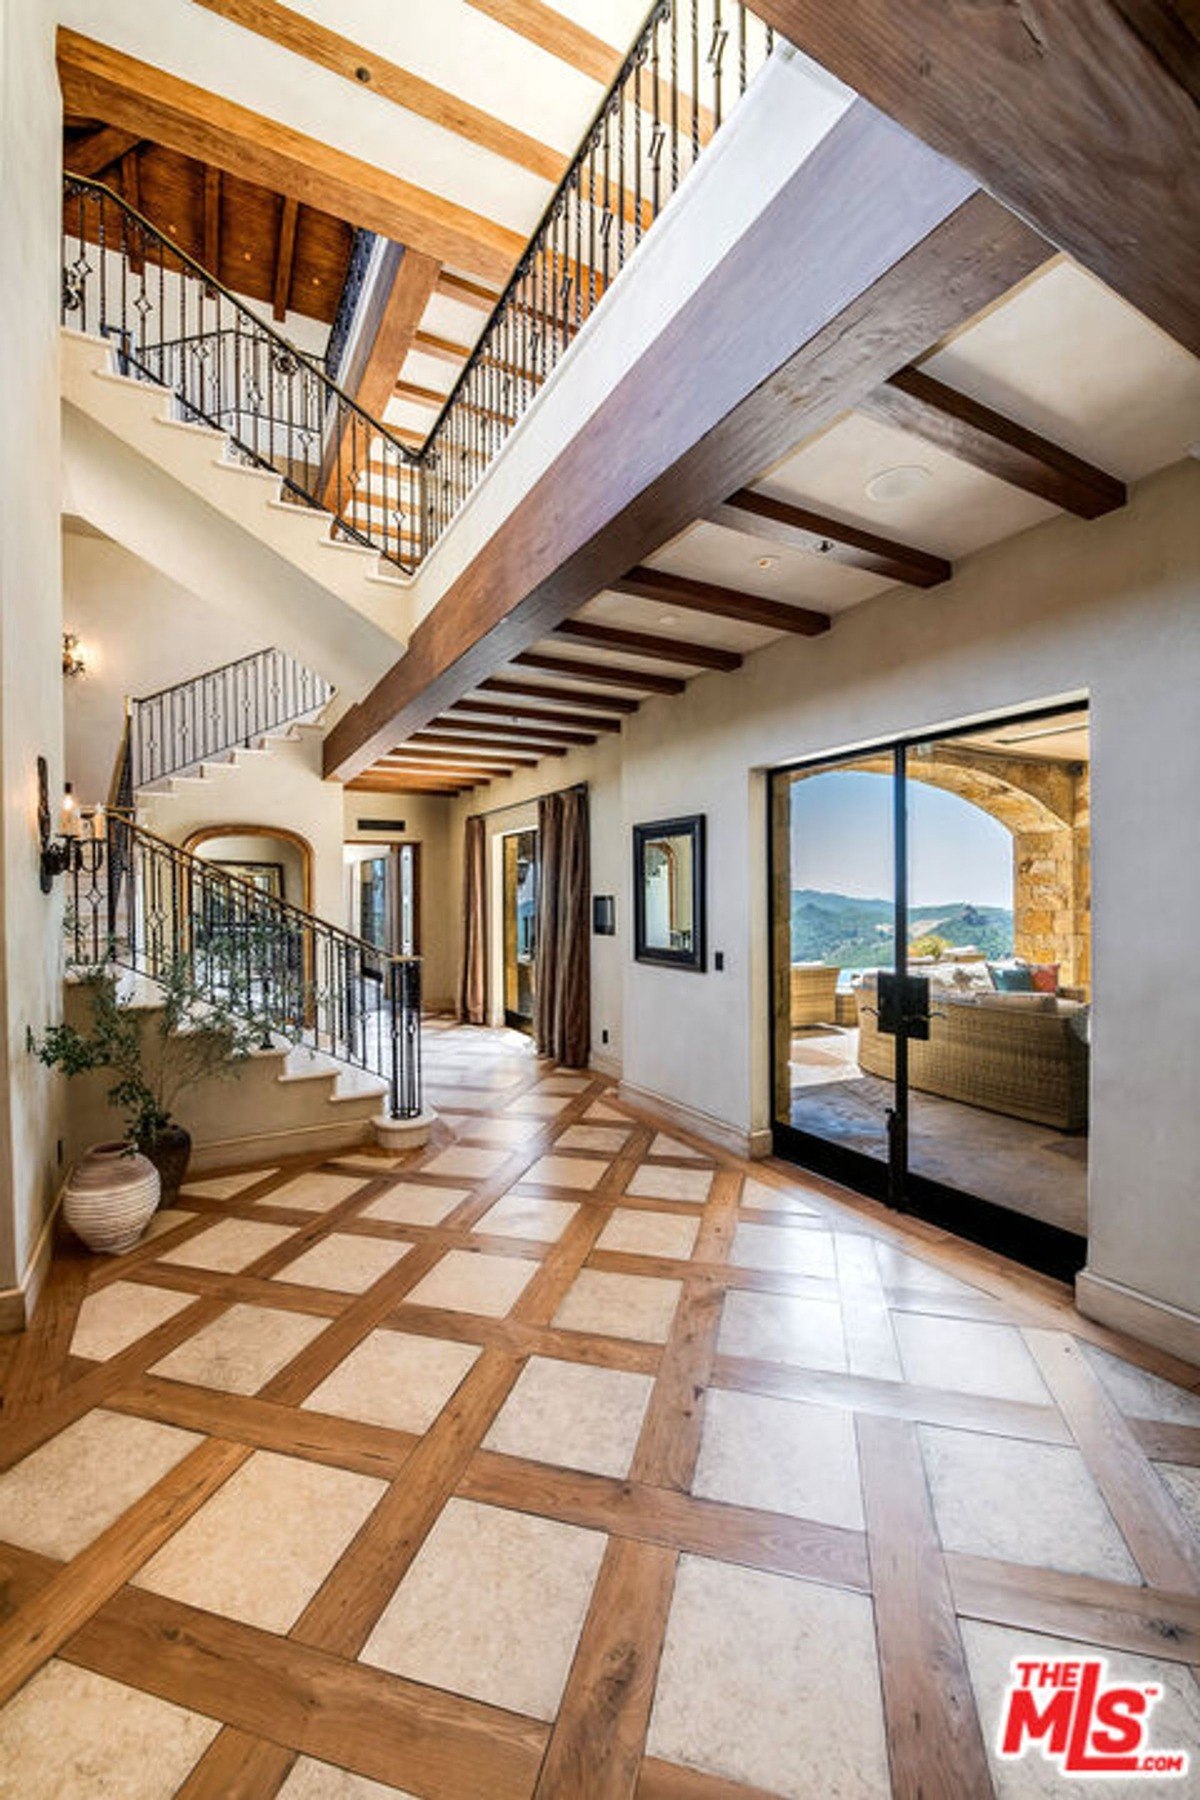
{"x":520,"y":927}
{"x":931,"y":978}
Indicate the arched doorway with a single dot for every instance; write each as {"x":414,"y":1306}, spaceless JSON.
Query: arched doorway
{"x":272,"y":858}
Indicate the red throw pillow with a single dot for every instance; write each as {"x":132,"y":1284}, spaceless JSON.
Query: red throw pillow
{"x":1045,"y":978}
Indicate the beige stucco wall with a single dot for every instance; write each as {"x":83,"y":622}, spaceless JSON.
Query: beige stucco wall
{"x":1108,"y":609}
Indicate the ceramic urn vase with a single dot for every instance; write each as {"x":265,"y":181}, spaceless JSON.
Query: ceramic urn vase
{"x":110,"y":1197}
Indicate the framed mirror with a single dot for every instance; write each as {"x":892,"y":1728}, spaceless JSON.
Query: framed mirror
{"x":669,"y":892}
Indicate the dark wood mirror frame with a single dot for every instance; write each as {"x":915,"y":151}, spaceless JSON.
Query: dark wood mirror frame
{"x":695,"y":957}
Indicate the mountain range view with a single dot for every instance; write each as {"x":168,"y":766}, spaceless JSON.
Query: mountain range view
{"x":858,"y":934}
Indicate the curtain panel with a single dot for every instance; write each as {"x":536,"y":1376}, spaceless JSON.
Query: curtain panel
{"x":472,"y":996}
{"x":562,"y":1006}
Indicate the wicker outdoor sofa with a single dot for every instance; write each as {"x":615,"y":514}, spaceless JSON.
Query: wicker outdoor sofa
{"x":1021,"y":1060}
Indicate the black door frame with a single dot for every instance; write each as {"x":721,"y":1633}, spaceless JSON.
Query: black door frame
{"x":1047,"y":1248}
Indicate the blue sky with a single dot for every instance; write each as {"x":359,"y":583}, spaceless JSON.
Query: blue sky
{"x":842,"y":842}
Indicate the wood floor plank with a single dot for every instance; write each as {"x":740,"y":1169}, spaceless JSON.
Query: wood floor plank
{"x":237,"y":1766}
{"x":669,"y":1443}
{"x":596,"y":1746}
{"x":1148,"y":1518}
{"x":934,"y":1741}
{"x":1109,"y":1613}
{"x":35,"y":1372}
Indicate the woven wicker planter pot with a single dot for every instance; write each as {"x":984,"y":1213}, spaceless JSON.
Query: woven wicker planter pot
{"x":110,"y":1197}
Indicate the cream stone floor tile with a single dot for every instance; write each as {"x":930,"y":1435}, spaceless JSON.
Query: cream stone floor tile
{"x":316,"y":1192}
{"x":573,"y":1415}
{"x":224,"y":1187}
{"x":650,"y":1183}
{"x":72,"y":1735}
{"x":474,"y":1282}
{"x":968,"y":1357}
{"x":446,"y":1097}
{"x":312,"y":1780}
{"x":777,"y":1328}
{"x":646,"y":1233}
{"x":261,"y":1547}
{"x":564,"y":1084}
{"x":761,"y":1196}
{"x":607,"y":1138}
{"x":494,"y":1131}
{"x":794,"y":1250}
{"x":395,"y":1379}
{"x":1174,"y":1722}
{"x":66,"y":1492}
{"x":118,"y":1315}
{"x":165,"y":1219}
{"x":241,"y":1350}
{"x":415,"y":1203}
{"x":781,"y":1456}
{"x":229,"y":1245}
{"x":1141,"y":1394}
{"x":525,"y":1216}
{"x":600,"y":1109}
{"x":628,"y":1306}
{"x":584,"y":1173}
{"x":899,"y":1270}
{"x":492,"y":1607}
{"x":1022,"y":1502}
{"x":345,"y":1261}
{"x":1183,"y":1483}
{"x":475,"y":1165}
{"x":772,"y":1682}
{"x":543,"y":1106}
{"x":669,"y":1146}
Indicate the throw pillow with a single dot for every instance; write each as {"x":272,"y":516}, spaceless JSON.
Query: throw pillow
{"x":1045,"y":977}
{"x":1011,"y":978}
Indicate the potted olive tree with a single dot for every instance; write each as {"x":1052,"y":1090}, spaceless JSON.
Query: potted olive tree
{"x":154,"y":1055}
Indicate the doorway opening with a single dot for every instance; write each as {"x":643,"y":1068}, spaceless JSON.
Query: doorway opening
{"x":931,"y":978}
{"x":520,"y":876}
{"x":383,"y":902}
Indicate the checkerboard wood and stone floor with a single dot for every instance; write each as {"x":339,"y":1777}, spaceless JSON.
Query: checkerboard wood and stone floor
{"x":571,"y":1459}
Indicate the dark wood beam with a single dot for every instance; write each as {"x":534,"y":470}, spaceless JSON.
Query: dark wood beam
{"x":720,"y":602}
{"x":646,"y":643}
{"x":131,"y":190}
{"x":910,"y":250}
{"x":212,"y":221}
{"x":503,"y":684}
{"x":987,"y":440}
{"x":476,"y":743}
{"x":103,"y":83}
{"x":1074,"y":115}
{"x":414,"y":765}
{"x":517,"y":710}
{"x":504,"y":734}
{"x":613,"y":673}
{"x":405,"y":784}
{"x":98,"y":152}
{"x":774,"y":521}
{"x":285,"y":251}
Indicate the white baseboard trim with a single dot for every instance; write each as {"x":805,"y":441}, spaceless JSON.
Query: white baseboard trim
{"x":691,"y":1119}
{"x":17,"y":1303}
{"x":300,"y":1140}
{"x":1139,"y":1315}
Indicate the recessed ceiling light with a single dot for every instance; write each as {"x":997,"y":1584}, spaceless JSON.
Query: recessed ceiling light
{"x":898,"y":483}
{"x":768,"y":562}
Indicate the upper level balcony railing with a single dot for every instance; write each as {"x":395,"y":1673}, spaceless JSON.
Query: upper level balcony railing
{"x":174,"y":323}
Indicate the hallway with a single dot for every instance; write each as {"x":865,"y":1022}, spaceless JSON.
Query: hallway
{"x":573,"y":1459}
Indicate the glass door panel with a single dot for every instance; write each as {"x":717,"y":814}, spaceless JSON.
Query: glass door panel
{"x":834,"y":911}
{"x":520,"y":928}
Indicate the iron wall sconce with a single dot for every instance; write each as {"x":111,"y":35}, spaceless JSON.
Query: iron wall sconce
{"x":61,"y":853}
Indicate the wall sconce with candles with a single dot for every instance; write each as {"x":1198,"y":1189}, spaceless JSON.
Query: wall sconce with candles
{"x":58,"y":854}
{"x":74,"y":661}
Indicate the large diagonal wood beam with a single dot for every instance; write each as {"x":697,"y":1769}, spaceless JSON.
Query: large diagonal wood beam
{"x":1079,"y":121}
{"x":916,"y":402}
{"x":910,"y":250}
{"x":105,"y":84}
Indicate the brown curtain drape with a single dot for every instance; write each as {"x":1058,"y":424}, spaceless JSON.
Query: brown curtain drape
{"x":562,"y":1009}
{"x":472,"y":994}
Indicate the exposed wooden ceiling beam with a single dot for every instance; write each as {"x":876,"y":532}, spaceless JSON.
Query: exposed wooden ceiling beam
{"x":987,"y":440}
{"x":467,"y":293}
{"x":432,"y":397}
{"x":106,"y":84}
{"x":502,"y":684}
{"x":911,"y":249}
{"x":403,"y":784}
{"x":285,"y":251}
{"x":512,"y":709}
{"x":719,"y":602}
{"x":212,"y":220}
{"x":366,"y":68}
{"x":612,"y":673}
{"x":1069,"y":114}
{"x":504,"y":734}
{"x":98,"y":152}
{"x":645,"y":643}
{"x":429,"y":344}
{"x":474,"y":743}
{"x":774,"y":521}
{"x":413,"y":763}
{"x":131,"y":190}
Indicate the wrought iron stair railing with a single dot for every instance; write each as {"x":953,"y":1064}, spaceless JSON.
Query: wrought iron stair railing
{"x":221,"y":710}
{"x":175,"y":324}
{"x":139,"y":903}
